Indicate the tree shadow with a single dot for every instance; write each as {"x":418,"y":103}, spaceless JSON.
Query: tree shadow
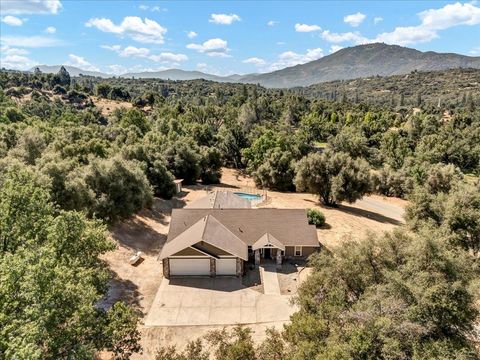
{"x":368,"y":214}
{"x":120,"y":290}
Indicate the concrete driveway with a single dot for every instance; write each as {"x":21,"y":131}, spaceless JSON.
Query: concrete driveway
{"x":214,"y":301}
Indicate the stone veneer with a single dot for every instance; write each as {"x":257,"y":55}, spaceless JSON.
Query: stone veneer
{"x":213,"y":267}
{"x":166,"y":267}
{"x":239,"y":267}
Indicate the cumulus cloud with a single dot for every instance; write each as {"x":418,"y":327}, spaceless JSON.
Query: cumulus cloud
{"x":192,"y":34}
{"x":132,"y":51}
{"x":255,"y":61}
{"x":144,"y":31}
{"x":343,"y":37}
{"x":307,"y":28}
{"x":151,"y":8}
{"x":272,"y":23}
{"x":15,"y":59}
{"x":432,"y":21}
{"x":30,"y":41}
{"x":17,"y":7}
{"x":377,"y":19}
{"x":291,"y":58}
{"x":51,"y":30}
{"x":116,"y":69}
{"x":354,"y":19}
{"x":80,"y":62}
{"x":12,"y":20}
{"x":213,"y":47}
{"x":335,"y":48}
{"x":224,"y":19}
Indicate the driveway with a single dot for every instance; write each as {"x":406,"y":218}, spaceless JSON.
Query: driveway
{"x":383,"y":208}
{"x":214,"y":301}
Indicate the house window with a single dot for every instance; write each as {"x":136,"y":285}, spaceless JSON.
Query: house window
{"x":298,"y":251}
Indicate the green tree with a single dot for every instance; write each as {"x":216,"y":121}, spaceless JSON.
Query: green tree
{"x":335,"y":177}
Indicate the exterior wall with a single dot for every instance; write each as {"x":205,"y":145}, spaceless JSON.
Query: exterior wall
{"x":189,"y":252}
{"x":213,"y":267}
{"x":166,"y":268}
{"x":306,"y":251}
{"x":211,"y":249}
{"x":239,"y":267}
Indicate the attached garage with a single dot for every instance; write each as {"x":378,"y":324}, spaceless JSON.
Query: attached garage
{"x":226,"y":266}
{"x":190,"y":266}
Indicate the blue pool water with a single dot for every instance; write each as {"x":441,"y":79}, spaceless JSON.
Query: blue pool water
{"x":248,"y":196}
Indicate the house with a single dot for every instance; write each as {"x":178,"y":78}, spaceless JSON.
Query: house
{"x":220,"y":200}
{"x":220,"y":241}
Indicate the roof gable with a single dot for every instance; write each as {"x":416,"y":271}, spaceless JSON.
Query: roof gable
{"x":211,"y":231}
{"x":268,"y":240}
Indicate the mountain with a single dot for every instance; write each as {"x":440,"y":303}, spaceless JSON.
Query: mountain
{"x":350,"y":63}
{"x":363,"y":61}
{"x":176,"y":74}
{"x":72,"y":70}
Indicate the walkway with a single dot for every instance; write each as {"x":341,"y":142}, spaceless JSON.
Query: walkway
{"x":268,"y":274}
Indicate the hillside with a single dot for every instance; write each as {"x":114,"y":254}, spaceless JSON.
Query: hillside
{"x":430,"y":87}
{"x":363,"y":61}
{"x":176,"y":74}
{"x":72,"y":70}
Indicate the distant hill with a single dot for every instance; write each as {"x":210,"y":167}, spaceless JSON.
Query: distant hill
{"x":350,"y":63}
{"x":363,"y":61}
{"x":72,"y":70}
{"x":176,"y":74}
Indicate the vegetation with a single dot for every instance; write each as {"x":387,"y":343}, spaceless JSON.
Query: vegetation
{"x":315,"y":217}
{"x":69,"y":169}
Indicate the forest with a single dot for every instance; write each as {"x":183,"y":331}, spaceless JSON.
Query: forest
{"x":68,"y":171}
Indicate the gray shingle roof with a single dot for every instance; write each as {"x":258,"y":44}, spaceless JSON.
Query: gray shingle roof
{"x":288,"y":226}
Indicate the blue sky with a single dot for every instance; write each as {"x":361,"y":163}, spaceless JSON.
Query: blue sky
{"x":222,"y":37}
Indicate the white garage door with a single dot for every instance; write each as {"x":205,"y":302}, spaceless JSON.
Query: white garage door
{"x":190,"y":266}
{"x":226,"y":266}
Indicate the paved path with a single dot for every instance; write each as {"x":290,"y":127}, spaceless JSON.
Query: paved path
{"x":391,"y":211}
{"x":219,"y":301}
{"x":268,"y":274}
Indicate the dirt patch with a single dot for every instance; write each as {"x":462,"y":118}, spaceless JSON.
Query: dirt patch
{"x":252,"y":279}
{"x":109,"y":106}
{"x":288,"y":277}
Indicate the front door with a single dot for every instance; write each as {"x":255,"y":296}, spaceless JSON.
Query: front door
{"x":266,"y":253}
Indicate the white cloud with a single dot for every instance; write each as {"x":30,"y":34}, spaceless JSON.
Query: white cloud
{"x":450,"y":15}
{"x":151,"y":8}
{"x":432,"y":21}
{"x":280,"y":42}
{"x":144,"y":31}
{"x":343,"y":37}
{"x":224,"y":19}
{"x":213,"y":47}
{"x":15,"y":59}
{"x":307,"y":28}
{"x":30,"y":6}
{"x":202,"y":66}
{"x":291,"y":58}
{"x":377,"y":19}
{"x":335,"y":48}
{"x":354,"y":19}
{"x":30,"y":41}
{"x":132,"y":51}
{"x":168,"y":56}
{"x":272,"y":23}
{"x":80,"y":62}
{"x":51,"y":30}
{"x":12,"y":20}
{"x":255,"y":61}
{"x":192,"y":34}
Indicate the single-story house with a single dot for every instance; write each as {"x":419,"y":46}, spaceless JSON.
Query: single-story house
{"x":220,"y":200}
{"x":215,"y":241}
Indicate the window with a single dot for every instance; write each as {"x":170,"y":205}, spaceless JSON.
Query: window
{"x":298,"y":251}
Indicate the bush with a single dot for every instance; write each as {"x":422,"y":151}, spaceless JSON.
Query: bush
{"x":315,"y":217}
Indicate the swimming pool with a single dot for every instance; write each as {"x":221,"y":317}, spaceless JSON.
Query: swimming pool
{"x":249,"y":196}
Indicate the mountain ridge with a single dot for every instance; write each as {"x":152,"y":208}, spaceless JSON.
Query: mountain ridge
{"x":346,"y":64}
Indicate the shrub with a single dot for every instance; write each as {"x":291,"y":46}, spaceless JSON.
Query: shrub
{"x":315,"y":217}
